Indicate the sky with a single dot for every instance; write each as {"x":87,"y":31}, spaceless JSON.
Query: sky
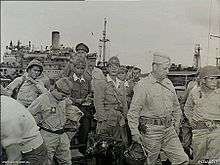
{"x":135,"y":29}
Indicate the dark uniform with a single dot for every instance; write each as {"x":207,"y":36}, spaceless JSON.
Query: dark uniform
{"x":111,"y":109}
{"x":80,"y":95}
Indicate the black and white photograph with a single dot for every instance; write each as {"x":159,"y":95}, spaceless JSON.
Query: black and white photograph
{"x":110,"y":82}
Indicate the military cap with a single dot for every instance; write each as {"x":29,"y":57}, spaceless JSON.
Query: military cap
{"x":82,"y":46}
{"x":160,"y":58}
{"x":136,"y":68}
{"x":35,"y":62}
{"x":113,"y":61}
{"x":91,"y":56}
{"x":209,"y":71}
{"x":64,"y":85}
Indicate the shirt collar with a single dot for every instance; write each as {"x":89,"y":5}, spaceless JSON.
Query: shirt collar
{"x":126,"y":84}
{"x":75,"y":77}
{"x":154,"y":80}
{"x":116,"y":83}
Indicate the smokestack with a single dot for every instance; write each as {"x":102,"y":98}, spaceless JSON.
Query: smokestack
{"x":55,"y":40}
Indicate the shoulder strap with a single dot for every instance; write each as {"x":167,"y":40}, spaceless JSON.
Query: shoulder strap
{"x":16,"y":90}
{"x":23,"y":80}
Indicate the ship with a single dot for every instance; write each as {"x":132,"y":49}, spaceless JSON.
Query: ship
{"x":54,"y":58}
{"x":17,"y":57}
{"x":180,"y":75}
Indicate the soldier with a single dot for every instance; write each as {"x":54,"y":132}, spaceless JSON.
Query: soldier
{"x":154,"y":114}
{"x":81,"y":51}
{"x":90,"y":65}
{"x":111,"y":105}
{"x":49,"y":111}
{"x":136,"y":74}
{"x":20,"y":135}
{"x":202,"y":110}
{"x":28,"y":87}
{"x":81,"y":97}
{"x":122,"y":73}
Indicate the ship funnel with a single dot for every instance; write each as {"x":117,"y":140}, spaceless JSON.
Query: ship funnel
{"x":55,"y":40}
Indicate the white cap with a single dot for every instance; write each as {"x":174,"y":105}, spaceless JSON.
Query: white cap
{"x":160,"y":58}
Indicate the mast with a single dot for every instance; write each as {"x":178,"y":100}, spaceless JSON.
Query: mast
{"x":104,"y":40}
{"x":197,"y":58}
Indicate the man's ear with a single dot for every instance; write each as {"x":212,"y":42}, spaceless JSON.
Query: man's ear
{"x":202,"y":81}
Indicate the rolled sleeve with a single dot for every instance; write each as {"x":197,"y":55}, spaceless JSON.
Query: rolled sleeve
{"x":14,"y":84}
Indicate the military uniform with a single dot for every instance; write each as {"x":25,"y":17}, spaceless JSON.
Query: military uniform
{"x":51,"y":116}
{"x":201,"y":109}
{"x":154,"y":115}
{"x":19,"y":130}
{"x":80,"y":94}
{"x":81,"y":89}
{"x":111,"y":106}
{"x":29,"y":89}
{"x":111,"y":119}
{"x":88,"y":72}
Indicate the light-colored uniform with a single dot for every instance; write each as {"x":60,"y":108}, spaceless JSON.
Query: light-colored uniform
{"x":97,"y":77}
{"x":110,"y":99}
{"x":51,"y":114}
{"x":153,"y":103}
{"x":19,"y":128}
{"x":29,"y":89}
{"x":203,"y":110}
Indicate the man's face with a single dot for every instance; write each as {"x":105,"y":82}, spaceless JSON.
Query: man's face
{"x":91,"y":63}
{"x":113,"y":69}
{"x":211,"y":82}
{"x":34,"y":72}
{"x":136,"y":73}
{"x":122,"y":76}
{"x":162,"y":70}
{"x":79,"y":69}
{"x":59,"y":95}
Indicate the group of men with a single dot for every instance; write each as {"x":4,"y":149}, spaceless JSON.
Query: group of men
{"x":123,"y":106}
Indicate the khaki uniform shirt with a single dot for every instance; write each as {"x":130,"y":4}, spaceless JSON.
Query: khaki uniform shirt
{"x":201,"y":106}
{"x":18,"y":126}
{"x":110,"y":101}
{"x":48,"y":112}
{"x":154,"y":100}
{"x":28,"y":92}
{"x":88,"y":75}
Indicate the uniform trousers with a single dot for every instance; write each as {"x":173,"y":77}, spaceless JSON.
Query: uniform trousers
{"x":159,"y":138}
{"x":58,"y":145}
{"x":206,"y":146}
{"x":37,"y":156}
